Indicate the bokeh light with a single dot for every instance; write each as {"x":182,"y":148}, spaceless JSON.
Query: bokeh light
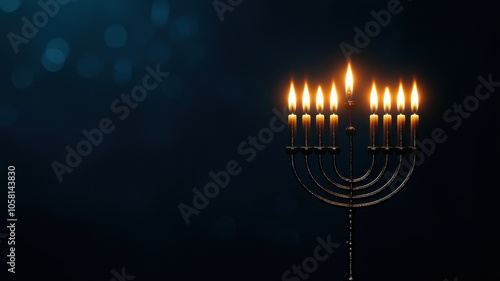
{"x":115,"y":36}
{"x":53,"y":59}
{"x":61,"y":45}
{"x":184,"y":27}
{"x":160,"y":11}
{"x":9,"y":6}
{"x":22,"y":77}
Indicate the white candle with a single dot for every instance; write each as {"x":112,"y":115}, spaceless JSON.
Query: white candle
{"x":414,"y":117}
{"x":306,"y":118}
{"x":334,"y":118}
{"x":292,"y":118}
{"x":373,"y":116}
{"x":401,"y":117}
{"x":387,"y":122}
{"x":320,"y":118}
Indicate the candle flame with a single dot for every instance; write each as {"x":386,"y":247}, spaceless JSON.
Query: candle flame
{"x":305,"y":100}
{"x":387,"y":100}
{"x":319,"y":100}
{"x":414,"y":98}
{"x":401,"y":99}
{"x":333,"y":99}
{"x":292,"y":99}
{"x":349,"y":81}
{"x":374,"y":99}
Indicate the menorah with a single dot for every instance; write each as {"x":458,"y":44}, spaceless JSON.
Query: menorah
{"x":347,"y":191}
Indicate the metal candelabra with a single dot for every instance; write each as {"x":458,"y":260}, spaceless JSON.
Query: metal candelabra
{"x":347,"y":191}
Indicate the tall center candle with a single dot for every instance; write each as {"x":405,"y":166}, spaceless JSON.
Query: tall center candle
{"x":334,"y":118}
{"x":387,"y":118}
{"x":349,"y":83}
{"x":306,"y":118}
{"x":373,"y":117}
{"x":320,"y":118}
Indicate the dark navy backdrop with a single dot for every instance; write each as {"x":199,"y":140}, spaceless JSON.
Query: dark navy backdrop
{"x":67,"y":68}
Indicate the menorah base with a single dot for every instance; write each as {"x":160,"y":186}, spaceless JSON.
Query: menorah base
{"x":349,"y":277}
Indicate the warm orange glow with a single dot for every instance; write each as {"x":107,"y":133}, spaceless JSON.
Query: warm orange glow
{"x":319,"y":100}
{"x":349,"y":81}
{"x":306,"y":100}
{"x":401,"y":99}
{"x":292,"y":99}
{"x":333,"y":99}
{"x":374,"y":99}
{"x":414,"y":98}
{"x":387,"y":100}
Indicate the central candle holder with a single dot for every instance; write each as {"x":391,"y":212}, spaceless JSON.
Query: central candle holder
{"x":348,"y":191}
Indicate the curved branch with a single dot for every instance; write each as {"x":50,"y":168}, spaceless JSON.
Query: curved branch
{"x":346,"y":187}
{"x":356,"y":179}
{"x":355,"y":205}
{"x":376,"y":179}
{"x":346,"y":196}
{"x":403,"y":183}
{"x":328,"y":201}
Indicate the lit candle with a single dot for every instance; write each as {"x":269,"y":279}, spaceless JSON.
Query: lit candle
{"x":401,"y":117}
{"x":306,"y":118}
{"x":320,"y":118}
{"x":387,"y":118}
{"x":373,"y":117}
{"x":349,"y":81}
{"x":292,"y":118}
{"x":334,"y":118}
{"x":414,"y":117}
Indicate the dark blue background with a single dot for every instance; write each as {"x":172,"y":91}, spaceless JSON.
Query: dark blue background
{"x":119,"y":207}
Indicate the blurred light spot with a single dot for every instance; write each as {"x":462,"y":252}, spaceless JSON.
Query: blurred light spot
{"x":115,"y":36}
{"x":173,"y":86}
{"x":55,"y":56}
{"x":285,"y":204}
{"x":160,"y":11}
{"x":159,"y":53}
{"x":185,"y":27}
{"x":122,"y":71}
{"x":22,"y":77}
{"x":53,"y":59}
{"x":88,"y":66}
{"x":60,"y":44}
{"x":8,"y":114}
{"x":9,"y":6}
{"x":224,"y":227}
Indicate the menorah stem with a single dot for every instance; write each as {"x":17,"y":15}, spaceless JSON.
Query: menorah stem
{"x":350,"y":276}
{"x":351,"y":131}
